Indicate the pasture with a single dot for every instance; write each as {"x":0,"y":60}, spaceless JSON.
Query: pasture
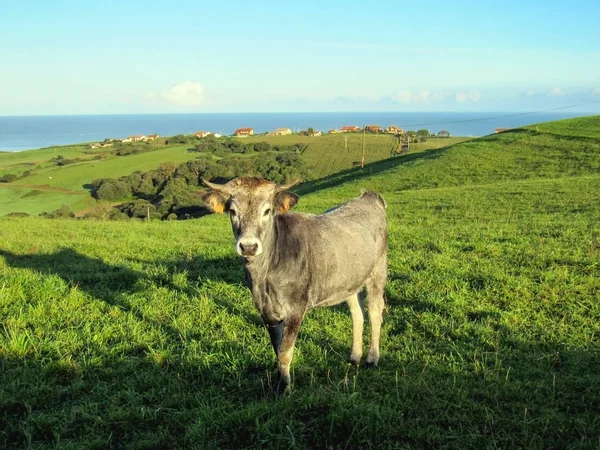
{"x":49,"y":186}
{"x":142,"y":335}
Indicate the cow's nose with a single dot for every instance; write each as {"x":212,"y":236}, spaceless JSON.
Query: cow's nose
{"x":248,"y":249}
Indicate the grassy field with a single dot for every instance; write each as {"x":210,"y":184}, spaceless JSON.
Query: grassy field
{"x":142,"y":335}
{"x":49,"y":186}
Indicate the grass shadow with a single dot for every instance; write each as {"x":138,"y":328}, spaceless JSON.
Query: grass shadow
{"x":368,"y":170}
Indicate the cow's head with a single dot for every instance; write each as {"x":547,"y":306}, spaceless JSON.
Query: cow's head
{"x":253,"y":204}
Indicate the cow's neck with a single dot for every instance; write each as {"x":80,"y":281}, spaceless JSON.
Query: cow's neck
{"x":257,"y":268}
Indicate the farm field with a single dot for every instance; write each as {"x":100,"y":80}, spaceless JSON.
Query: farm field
{"x":49,"y":186}
{"x":142,"y":334}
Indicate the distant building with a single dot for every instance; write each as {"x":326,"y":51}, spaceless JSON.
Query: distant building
{"x":282,"y":132}
{"x":244,"y":132}
{"x":310,"y":133}
{"x":394,"y":130}
{"x":349,"y":129}
{"x":443,"y":134}
{"x":501,"y":130}
{"x":151,"y":137}
{"x":217,"y":135}
{"x":333,"y":131}
{"x":202,"y":134}
{"x":127,"y":139}
{"x":373,"y":128}
{"x":138,"y":137}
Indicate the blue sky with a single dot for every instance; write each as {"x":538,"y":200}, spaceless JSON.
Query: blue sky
{"x":74,"y":57}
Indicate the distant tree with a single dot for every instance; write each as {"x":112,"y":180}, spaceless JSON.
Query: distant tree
{"x":310,"y":130}
{"x":423,"y":133}
{"x":8,"y":178}
{"x":262,"y":147}
{"x":61,"y":213}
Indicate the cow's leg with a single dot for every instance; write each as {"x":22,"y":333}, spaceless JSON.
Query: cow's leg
{"x":286,"y":351}
{"x":375,"y":305}
{"x":276,"y":335}
{"x":358,"y":321}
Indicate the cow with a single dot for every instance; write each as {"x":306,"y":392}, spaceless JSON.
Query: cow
{"x":294,"y":262}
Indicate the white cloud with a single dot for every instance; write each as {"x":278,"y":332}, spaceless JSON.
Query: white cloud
{"x":468,"y":96}
{"x":424,"y":96}
{"x":186,"y":93}
{"x":555,"y":92}
{"x":404,"y":96}
{"x":595,"y":92}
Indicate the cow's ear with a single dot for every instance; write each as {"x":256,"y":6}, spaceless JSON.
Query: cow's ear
{"x":285,"y":200}
{"x":215,"y":201}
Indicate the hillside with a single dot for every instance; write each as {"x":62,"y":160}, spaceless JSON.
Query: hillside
{"x":49,"y":186}
{"x":142,"y":335}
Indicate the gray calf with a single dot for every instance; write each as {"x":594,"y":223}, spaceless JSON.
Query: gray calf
{"x":294,"y":262}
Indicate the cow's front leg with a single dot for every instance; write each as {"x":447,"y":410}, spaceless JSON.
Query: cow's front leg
{"x":291,"y":326}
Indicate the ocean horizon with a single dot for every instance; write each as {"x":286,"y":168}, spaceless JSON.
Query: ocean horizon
{"x":18,"y":133}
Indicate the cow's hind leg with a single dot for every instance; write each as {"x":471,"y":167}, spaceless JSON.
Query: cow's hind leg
{"x":358,"y":321}
{"x":376,"y":304}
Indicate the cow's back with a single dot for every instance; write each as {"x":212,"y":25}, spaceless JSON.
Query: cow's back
{"x":330,"y":256}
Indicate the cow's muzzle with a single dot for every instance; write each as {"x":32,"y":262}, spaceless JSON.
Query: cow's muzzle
{"x":249,"y":247}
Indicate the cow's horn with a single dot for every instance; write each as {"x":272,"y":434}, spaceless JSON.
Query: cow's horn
{"x":217,"y":187}
{"x":285,"y":187}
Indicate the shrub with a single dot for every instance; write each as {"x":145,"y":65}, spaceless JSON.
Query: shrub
{"x":111,"y":189}
{"x":61,"y":213}
{"x":8,"y":178}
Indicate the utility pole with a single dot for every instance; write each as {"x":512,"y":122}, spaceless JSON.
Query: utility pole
{"x":362,"y":163}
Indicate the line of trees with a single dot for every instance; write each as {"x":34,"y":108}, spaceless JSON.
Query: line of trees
{"x":225,"y":147}
{"x":171,"y":192}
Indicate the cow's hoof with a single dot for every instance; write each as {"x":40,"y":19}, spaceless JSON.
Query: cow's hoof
{"x":283,"y":388}
{"x":371,"y":365}
{"x":354,"y":361}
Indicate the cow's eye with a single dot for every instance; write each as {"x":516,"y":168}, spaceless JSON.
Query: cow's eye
{"x":267,"y":212}
{"x":232,"y":212}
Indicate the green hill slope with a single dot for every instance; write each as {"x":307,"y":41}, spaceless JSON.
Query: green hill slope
{"x":142,"y":334}
{"x":514,"y":155}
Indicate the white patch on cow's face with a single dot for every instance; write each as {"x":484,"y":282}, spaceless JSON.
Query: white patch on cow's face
{"x":250,"y":223}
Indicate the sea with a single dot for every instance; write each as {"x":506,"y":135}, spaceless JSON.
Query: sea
{"x":19,"y":133}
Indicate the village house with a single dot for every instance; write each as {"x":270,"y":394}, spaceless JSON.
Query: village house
{"x":333,"y":131}
{"x":151,"y":137}
{"x":443,"y":134}
{"x":373,"y":128}
{"x":243,"y":132}
{"x":282,"y":132}
{"x":315,"y":133}
{"x":202,"y":134}
{"x":127,"y":139}
{"x":349,"y":129}
{"x":392,"y":129}
{"x":101,"y":145}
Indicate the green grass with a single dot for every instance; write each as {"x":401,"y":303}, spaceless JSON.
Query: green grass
{"x":325,"y":154}
{"x":142,"y":335}
{"x":73,"y":178}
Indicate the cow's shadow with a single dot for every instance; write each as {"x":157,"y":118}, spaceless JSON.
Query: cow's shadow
{"x":114,"y":284}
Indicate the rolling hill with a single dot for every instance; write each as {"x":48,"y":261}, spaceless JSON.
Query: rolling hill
{"x":142,"y":335}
